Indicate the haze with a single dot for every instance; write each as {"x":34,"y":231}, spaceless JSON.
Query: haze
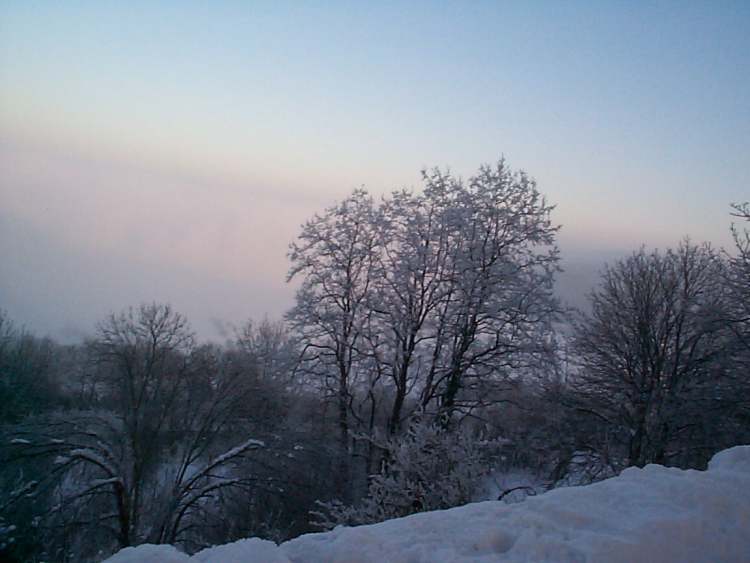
{"x":170,"y":152}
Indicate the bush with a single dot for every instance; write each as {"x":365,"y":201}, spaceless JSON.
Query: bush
{"x":428,"y":468}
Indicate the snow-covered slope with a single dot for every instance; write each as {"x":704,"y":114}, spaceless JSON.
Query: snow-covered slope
{"x":655,"y":514}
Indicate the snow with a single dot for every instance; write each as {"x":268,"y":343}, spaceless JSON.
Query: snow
{"x":92,"y":456}
{"x":654,"y":514}
{"x":250,"y":444}
{"x":252,"y":549}
{"x":148,"y":553}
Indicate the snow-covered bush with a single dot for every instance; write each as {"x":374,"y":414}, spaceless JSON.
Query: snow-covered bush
{"x":427,"y":468}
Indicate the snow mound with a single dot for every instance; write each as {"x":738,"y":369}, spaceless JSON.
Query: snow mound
{"x":654,"y":514}
{"x":252,"y":549}
{"x":149,"y":553}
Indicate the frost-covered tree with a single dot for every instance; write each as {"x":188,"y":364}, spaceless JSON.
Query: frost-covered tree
{"x":426,"y":302}
{"x":439,"y":293}
{"x":498,"y":303}
{"x":739,"y":279}
{"x":738,"y":320}
{"x":415,"y":265}
{"x":649,"y":353}
{"x":427,"y":468}
{"x":335,"y":257}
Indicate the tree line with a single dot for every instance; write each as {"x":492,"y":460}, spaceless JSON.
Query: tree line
{"x":425,"y":349}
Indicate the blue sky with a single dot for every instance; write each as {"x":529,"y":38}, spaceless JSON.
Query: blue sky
{"x":170,"y":150}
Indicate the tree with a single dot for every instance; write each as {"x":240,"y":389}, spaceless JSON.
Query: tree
{"x":738,"y":279}
{"x":414,"y":265}
{"x":428,"y":468}
{"x":426,"y":302}
{"x":437,"y":295}
{"x":269,"y":348}
{"x":649,"y":352}
{"x":335,"y":258}
{"x":499,"y":303}
{"x":27,"y":383}
{"x":738,"y":319}
{"x":142,"y":462}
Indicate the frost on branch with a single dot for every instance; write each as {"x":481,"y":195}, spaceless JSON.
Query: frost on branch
{"x":429,"y":468}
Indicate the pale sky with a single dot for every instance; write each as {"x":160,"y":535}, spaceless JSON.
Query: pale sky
{"x":170,"y":151}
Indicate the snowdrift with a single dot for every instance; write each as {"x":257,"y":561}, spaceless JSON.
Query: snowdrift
{"x":654,"y":514}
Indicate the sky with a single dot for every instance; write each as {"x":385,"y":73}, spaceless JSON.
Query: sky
{"x":170,"y":151}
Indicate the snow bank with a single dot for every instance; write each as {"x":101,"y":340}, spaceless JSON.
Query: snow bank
{"x":654,"y":514}
{"x":149,"y":553}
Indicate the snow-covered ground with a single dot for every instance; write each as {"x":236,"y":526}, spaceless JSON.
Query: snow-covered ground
{"x":655,"y":514}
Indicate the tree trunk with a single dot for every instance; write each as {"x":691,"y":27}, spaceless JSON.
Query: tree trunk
{"x":448,"y":399}
{"x":343,"y":423}
{"x":123,"y":516}
{"x":394,"y":422}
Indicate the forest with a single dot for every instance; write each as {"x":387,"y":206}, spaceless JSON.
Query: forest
{"x":426,"y":352}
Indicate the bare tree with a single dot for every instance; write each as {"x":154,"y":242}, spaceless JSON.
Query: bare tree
{"x":648,"y":354}
{"x":427,"y":301}
{"x":738,"y":279}
{"x":434,"y":291}
{"x":464,"y":293}
{"x":500,"y":304}
{"x":335,"y":257}
{"x":416,"y":265}
{"x":738,"y":320}
{"x":269,"y":348}
{"x":142,"y":463}
{"x":27,"y":383}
